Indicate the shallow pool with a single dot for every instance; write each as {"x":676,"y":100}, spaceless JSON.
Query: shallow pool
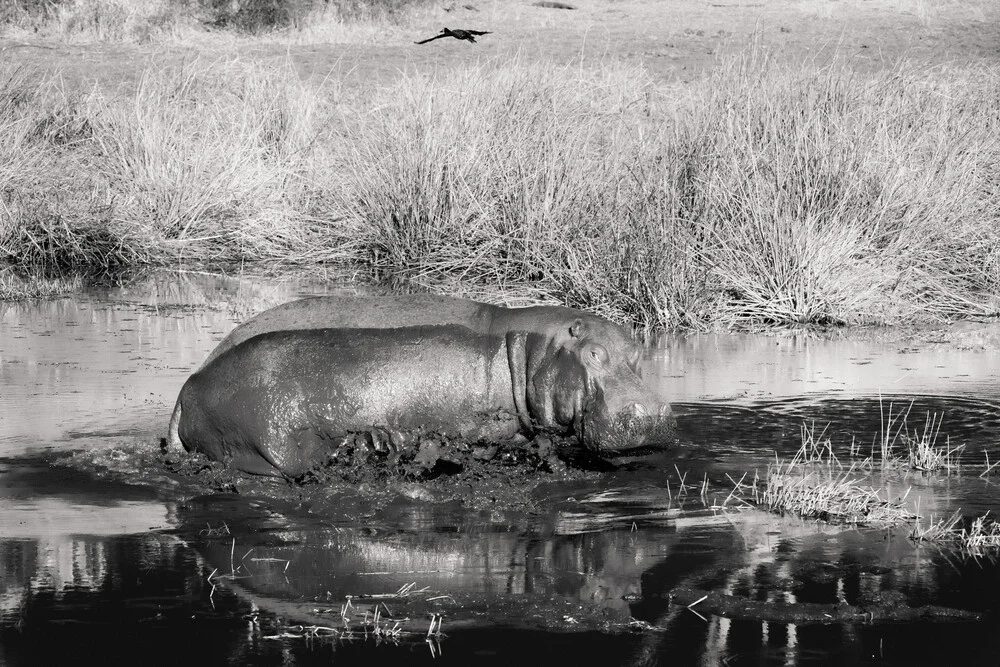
{"x":145,"y":573}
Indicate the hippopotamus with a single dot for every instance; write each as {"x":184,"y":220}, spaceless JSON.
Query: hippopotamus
{"x":385,"y":312}
{"x":276,"y":403}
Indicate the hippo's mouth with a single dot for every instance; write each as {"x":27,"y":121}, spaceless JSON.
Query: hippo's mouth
{"x":628,"y":434}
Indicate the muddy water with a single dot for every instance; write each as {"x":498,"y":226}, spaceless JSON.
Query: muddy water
{"x":147,"y":573}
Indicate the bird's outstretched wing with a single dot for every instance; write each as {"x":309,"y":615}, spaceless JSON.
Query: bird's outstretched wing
{"x":431,"y":39}
{"x":478,"y":32}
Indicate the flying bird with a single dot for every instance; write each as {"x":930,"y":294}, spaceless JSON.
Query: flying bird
{"x":467,"y":35}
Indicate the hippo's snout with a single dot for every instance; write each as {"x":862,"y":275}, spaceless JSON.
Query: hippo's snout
{"x":640,"y":411}
{"x":635,"y":425}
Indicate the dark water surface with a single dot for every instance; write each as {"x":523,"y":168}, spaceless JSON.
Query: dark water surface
{"x":92,"y":567}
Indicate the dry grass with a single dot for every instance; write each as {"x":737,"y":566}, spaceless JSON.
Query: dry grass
{"x":513,"y":176}
{"x":209,"y":163}
{"x":767,"y":194}
{"x":828,"y":205}
{"x":211,"y":158}
{"x":104,"y":20}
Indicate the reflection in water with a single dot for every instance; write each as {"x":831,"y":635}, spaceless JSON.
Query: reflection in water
{"x":469,"y":558}
{"x":117,"y":598}
{"x":517,"y":578}
{"x":84,"y":563}
{"x":741,"y":368}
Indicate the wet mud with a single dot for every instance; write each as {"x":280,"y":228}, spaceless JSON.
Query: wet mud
{"x":509,"y":478}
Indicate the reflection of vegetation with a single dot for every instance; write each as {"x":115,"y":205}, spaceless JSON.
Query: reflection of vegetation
{"x":14,"y":286}
{"x":377,"y":622}
{"x":764,"y":194}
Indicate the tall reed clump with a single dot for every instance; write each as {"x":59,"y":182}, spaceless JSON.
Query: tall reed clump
{"x":526,"y":177}
{"x":766,"y":194}
{"x":50,"y":216}
{"x":207,"y":163}
{"x":834,"y":196}
{"x":210,"y":159}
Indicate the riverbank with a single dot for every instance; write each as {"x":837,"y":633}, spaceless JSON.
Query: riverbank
{"x":766,"y":183}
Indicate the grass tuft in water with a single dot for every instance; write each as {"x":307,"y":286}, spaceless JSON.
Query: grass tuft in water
{"x":937,"y":530}
{"x":837,"y":498}
{"x":897,"y":447}
{"x":988,"y":467}
{"x":922,"y":451}
{"x":815,"y":484}
{"x":981,"y":537}
{"x":814,"y":448}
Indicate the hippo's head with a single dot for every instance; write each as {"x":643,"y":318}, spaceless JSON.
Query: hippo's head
{"x":585,"y":379}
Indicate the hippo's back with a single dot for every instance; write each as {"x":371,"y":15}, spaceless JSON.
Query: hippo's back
{"x":361,"y":312}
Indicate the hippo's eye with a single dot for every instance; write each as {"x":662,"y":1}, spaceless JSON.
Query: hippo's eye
{"x":599,"y":354}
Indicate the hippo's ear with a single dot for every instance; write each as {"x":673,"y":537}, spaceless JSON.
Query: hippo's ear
{"x":577,"y":329}
{"x":517,"y":359}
